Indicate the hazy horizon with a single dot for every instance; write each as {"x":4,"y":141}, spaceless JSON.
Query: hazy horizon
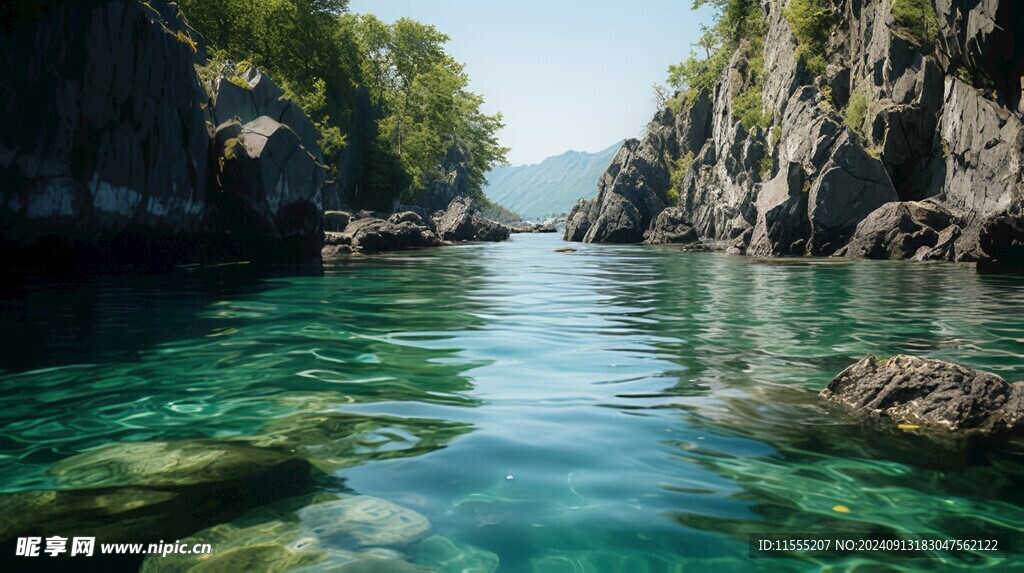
{"x":573,"y":75}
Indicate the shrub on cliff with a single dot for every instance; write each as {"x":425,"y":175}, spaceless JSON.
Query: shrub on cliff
{"x":734,"y":21}
{"x":811,"y":22}
{"x":321,"y":56}
{"x":916,"y":20}
{"x":855,"y":112}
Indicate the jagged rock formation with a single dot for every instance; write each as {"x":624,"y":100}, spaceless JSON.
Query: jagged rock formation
{"x":462,"y":221}
{"x":932,"y":394}
{"x":635,"y":187}
{"x":409,"y":228}
{"x":811,"y":184}
{"x":405,"y":230}
{"x":268,"y":171}
{"x":109,"y":155}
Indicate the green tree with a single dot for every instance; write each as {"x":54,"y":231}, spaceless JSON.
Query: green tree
{"x":427,"y":108}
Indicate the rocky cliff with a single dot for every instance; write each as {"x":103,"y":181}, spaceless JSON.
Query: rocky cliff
{"x":112,"y":153}
{"x":929,"y":166}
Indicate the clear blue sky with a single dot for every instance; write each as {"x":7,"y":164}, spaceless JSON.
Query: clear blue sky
{"x":567,"y":74}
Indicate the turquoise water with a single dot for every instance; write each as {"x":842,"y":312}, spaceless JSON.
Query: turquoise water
{"x":620,"y":408}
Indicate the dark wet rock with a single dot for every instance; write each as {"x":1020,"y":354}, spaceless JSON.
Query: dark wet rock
{"x":932,"y":394}
{"x":462,"y":221}
{"x":400,"y":231}
{"x":534,"y":228}
{"x":1002,"y":244}
{"x":336,"y":221}
{"x":154,"y":490}
{"x":671,"y":226}
{"x":635,"y":187}
{"x":103,"y":135}
{"x":396,"y":233}
{"x":782,"y":226}
{"x":902,"y":230}
{"x":270,"y":199}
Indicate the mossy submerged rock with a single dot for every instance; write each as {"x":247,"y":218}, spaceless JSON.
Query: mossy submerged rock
{"x":364,"y":521}
{"x":932,"y":394}
{"x":328,"y":533}
{"x":139,"y":492}
{"x":167,"y":464}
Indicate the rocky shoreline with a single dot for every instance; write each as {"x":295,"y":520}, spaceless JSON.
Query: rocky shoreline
{"x":933,"y":170}
{"x":408,"y":228}
{"x":132,"y":161}
{"x":930,"y":395}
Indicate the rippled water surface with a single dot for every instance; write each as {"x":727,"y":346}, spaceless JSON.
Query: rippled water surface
{"x":620,"y":408}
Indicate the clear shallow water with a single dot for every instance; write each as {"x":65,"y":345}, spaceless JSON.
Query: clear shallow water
{"x":652,"y":407}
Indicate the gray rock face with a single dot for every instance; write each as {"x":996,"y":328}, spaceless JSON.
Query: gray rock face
{"x":635,"y":187}
{"x":336,"y":221}
{"x":782,"y":226}
{"x":851,"y":185}
{"x":399,"y":232}
{"x":270,"y":194}
{"x":259,"y":97}
{"x":925,"y":134}
{"x":103,"y":136}
{"x":462,"y":221}
{"x":901,"y":231}
{"x":931,"y":393}
{"x":1002,"y":242}
{"x":979,"y":163}
{"x":671,"y":226}
{"x":114,"y":169}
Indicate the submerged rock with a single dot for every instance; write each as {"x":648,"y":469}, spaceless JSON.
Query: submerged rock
{"x":462,"y":221}
{"x":154,"y":490}
{"x":447,"y":556}
{"x":324,"y":533}
{"x":364,"y":521}
{"x":932,"y":394}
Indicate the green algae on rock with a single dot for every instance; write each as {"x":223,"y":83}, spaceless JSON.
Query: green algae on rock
{"x":328,"y":532}
{"x":171,"y":464}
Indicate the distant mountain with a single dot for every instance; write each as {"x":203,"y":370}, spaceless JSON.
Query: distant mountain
{"x":550,"y":187}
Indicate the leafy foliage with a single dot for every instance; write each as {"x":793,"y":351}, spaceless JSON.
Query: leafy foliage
{"x":676,"y":175}
{"x":734,"y":21}
{"x":427,"y":107}
{"x":738,"y":24}
{"x":747,"y":107}
{"x":321,"y":56}
{"x":916,"y":20}
{"x":812,"y":22}
{"x":856,"y":112}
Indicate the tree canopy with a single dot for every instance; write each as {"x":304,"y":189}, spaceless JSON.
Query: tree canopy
{"x":322,"y":55}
